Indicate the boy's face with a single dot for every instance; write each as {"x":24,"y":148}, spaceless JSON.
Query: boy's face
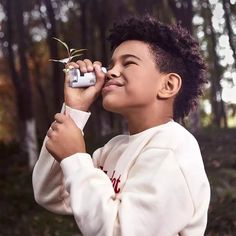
{"x":134,"y":79}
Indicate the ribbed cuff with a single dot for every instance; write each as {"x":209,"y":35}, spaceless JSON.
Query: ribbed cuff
{"x":73,"y":163}
{"x":79,"y":117}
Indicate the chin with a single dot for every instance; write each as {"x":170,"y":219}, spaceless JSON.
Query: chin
{"x":110,"y":105}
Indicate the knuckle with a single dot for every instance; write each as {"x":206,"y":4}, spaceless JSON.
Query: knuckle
{"x":48,"y":144}
{"x":87,"y":61}
{"x":80,"y":63}
{"x":53,"y":136}
{"x":70,"y":65}
{"x":97,"y":63}
{"x":54,"y":126}
{"x":49,"y":132}
{"x":56,"y":116}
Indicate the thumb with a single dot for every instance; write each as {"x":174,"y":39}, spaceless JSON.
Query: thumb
{"x":100,"y":77}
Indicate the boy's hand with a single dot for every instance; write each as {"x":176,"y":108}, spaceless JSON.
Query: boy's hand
{"x":82,"y":98}
{"x":64,"y":138}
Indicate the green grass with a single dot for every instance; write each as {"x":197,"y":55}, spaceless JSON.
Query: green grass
{"x":21,"y":216}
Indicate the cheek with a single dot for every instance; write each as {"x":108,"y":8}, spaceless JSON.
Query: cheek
{"x":141,"y":90}
{"x":141,"y":80}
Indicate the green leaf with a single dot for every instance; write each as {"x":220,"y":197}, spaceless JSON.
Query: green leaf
{"x":72,"y":49}
{"x":77,"y":55}
{"x":77,"y":50}
{"x":64,"y":60}
{"x":64,"y":44}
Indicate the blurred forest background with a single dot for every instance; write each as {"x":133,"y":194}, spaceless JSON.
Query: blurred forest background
{"x":31,"y":92}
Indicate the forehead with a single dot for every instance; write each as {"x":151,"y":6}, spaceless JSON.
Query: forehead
{"x":133,"y":47}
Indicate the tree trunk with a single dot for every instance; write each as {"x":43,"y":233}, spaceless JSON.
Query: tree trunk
{"x":37,"y":78}
{"x":147,"y":6}
{"x":226,"y":6}
{"x":84,"y":23}
{"x":219,"y":114}
{"x":21,"y":81}
{"x":183,"y":12}
{"x":57,"y":82}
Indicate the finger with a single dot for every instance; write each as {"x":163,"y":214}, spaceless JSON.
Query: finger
{"x":54,"y":125}
{"x":60,"y":118}
{"x":49,"y":133}
{"x":49,"y":145}
{"x":97,"y":63}
{"x":89,"y":65}
{"x":68,"y":67}
{"x":100,"y":76}
{"x":71,"y":65}
{"x":82,"y":66}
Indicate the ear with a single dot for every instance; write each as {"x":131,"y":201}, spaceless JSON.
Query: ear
{"x":171,"y":85}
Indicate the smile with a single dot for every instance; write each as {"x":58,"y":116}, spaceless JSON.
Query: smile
{"x":111,"y":85}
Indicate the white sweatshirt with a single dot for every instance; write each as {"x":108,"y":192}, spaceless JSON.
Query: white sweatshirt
{"x":149,"y":184}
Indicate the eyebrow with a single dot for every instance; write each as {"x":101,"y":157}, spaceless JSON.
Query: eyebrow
{"x":125,"y":56}
{"x":130,"y":55}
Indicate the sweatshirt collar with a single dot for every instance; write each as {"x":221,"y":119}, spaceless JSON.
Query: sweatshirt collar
{"x":146,"y":131}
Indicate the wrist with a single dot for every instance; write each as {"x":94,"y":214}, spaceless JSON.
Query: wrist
{"x":79,"y":116}
{"x":80,"y":107}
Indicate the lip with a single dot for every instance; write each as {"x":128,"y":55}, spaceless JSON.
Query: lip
{"x":113,"y":82}
{"x":111,"y":85}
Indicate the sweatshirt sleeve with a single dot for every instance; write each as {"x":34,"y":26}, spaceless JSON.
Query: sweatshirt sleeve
{"x":48,"y":180}
{"x":155,"y":199}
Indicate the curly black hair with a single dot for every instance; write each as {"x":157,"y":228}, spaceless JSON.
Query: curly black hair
{"x":174,"y":50}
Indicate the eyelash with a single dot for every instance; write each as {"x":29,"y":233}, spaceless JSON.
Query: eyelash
{"x":128,"y":63}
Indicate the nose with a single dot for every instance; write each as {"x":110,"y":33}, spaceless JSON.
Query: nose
{"x":113,"y":73}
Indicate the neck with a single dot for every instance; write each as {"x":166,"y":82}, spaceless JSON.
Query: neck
{"x":146,"y":118}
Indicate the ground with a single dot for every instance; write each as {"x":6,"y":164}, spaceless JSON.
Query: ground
{"x":21,"y":216}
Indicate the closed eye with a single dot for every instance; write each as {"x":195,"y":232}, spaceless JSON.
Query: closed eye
{"x":127,"y":63}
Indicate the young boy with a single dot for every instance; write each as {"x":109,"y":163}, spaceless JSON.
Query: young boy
{"x":152,"y":181}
